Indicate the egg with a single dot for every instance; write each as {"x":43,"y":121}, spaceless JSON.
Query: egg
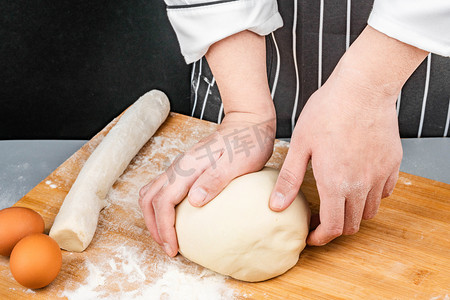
{"x":35,"y":261}
{"x":15,"y":224}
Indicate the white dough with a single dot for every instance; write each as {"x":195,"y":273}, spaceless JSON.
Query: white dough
{"x":76,"y":222}
{"x":237,"y":234}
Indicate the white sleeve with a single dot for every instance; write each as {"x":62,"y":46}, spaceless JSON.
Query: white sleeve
{"x":200,"y":23}
{"x":424,"y":24}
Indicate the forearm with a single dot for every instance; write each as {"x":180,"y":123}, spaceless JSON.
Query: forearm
{"x":379,"y":64}
{"x":238,"y":64}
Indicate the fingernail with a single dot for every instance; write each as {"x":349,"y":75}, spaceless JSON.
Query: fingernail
{"x":197,"y":196}
{"x":278,"y":201}
{"x":167,"y":249}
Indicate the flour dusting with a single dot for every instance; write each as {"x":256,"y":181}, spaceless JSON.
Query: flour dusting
{"x":129,"y":275}
{"x":136,"y":267}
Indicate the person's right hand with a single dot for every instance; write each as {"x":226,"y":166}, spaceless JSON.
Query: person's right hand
{"x":242,"y":144}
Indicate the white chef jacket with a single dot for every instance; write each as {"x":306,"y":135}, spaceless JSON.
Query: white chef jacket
{"x":200,"y":23}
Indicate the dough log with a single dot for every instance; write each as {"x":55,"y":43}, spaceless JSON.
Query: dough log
{"x":76,"y":222}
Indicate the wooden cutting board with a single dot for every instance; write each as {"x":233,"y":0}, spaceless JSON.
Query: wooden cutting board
{"x":403,"y":253}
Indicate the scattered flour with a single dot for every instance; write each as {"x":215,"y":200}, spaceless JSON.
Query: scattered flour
{"x":118,"y":269}
{"x":441,"y":297}
{"x":127,"y":276}
{"x":26,"y":291}
{"x":404,"y":180}
{"x":51,"y":184}
{"x":176,"y":284}
{"x":128,"y":271}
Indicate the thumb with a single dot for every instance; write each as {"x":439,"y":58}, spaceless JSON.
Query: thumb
{"x":290,"y":178}
{"x":211,"y":183}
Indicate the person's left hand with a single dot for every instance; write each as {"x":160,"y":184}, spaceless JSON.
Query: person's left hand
{"x":349,"y":130}
{"x":355,"y":151}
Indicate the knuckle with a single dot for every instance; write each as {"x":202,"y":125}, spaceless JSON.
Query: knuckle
{"x":216,"y":174}
{"x":387,"y":193}
{"x":185,"y":160}
{"x":142,"y":192}
{"x":374,"y":199}
{"x":182,"y":166}
{"x":354,"y":189}
{"x":388,"y":188}
{"x":351,"y":229}
{"x":215,"y":179}
{"x":368,"y":215}
{"x":157,"y":202}
{"x":141,"y":203}
{"x":163,"y":231}
{"x":288,"y":178}
{"x":334,"y":231}
{"x":163,"y":200}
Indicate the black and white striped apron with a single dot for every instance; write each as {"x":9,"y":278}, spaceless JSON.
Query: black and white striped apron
{"x":318,"y":33}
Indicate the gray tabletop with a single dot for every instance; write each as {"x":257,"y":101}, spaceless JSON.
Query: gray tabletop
{"x":23,"y":164}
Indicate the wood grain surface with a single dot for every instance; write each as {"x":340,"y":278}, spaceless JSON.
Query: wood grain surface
{"x":403,"y":253}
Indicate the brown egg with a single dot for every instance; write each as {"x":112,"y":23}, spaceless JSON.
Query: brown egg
{"x":35,"y":261}
{"x":15,"y":224}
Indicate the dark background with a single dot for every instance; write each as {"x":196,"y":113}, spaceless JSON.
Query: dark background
{"x":70,"y":67}
{"x":67,"y":68}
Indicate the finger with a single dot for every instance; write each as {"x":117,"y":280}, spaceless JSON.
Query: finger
{"x":149,"y":190}
{"x":372,"y":202}
{"x":143,"y":190}
{"x":179,"y":178}
{"x":354,"y":208}
{"x":332,"y":209}
{"x":192,"y":163}
{"x":147,"y":208}
{"x":290,"y":178}
{"x":208,"y":180}
{"x":390,"y":185}
{"x":213,"y":180}
{"x":165,"y":223}
{"x":150,"y":222}
{"x":172,"y":193}
{"x":209,"y":184}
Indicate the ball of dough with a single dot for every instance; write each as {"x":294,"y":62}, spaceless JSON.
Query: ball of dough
{"x":237,"y":234}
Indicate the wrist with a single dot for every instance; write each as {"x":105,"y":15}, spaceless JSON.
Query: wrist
{"x":262,"y":113}
{"x":258,"y":105}
{"x":379,"y":64}
{"x":238,"y":63}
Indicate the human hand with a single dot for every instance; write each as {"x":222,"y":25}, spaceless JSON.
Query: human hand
{"x":242,"y":144}
{"x":355,"y":151}
{"x":349,"y":130}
